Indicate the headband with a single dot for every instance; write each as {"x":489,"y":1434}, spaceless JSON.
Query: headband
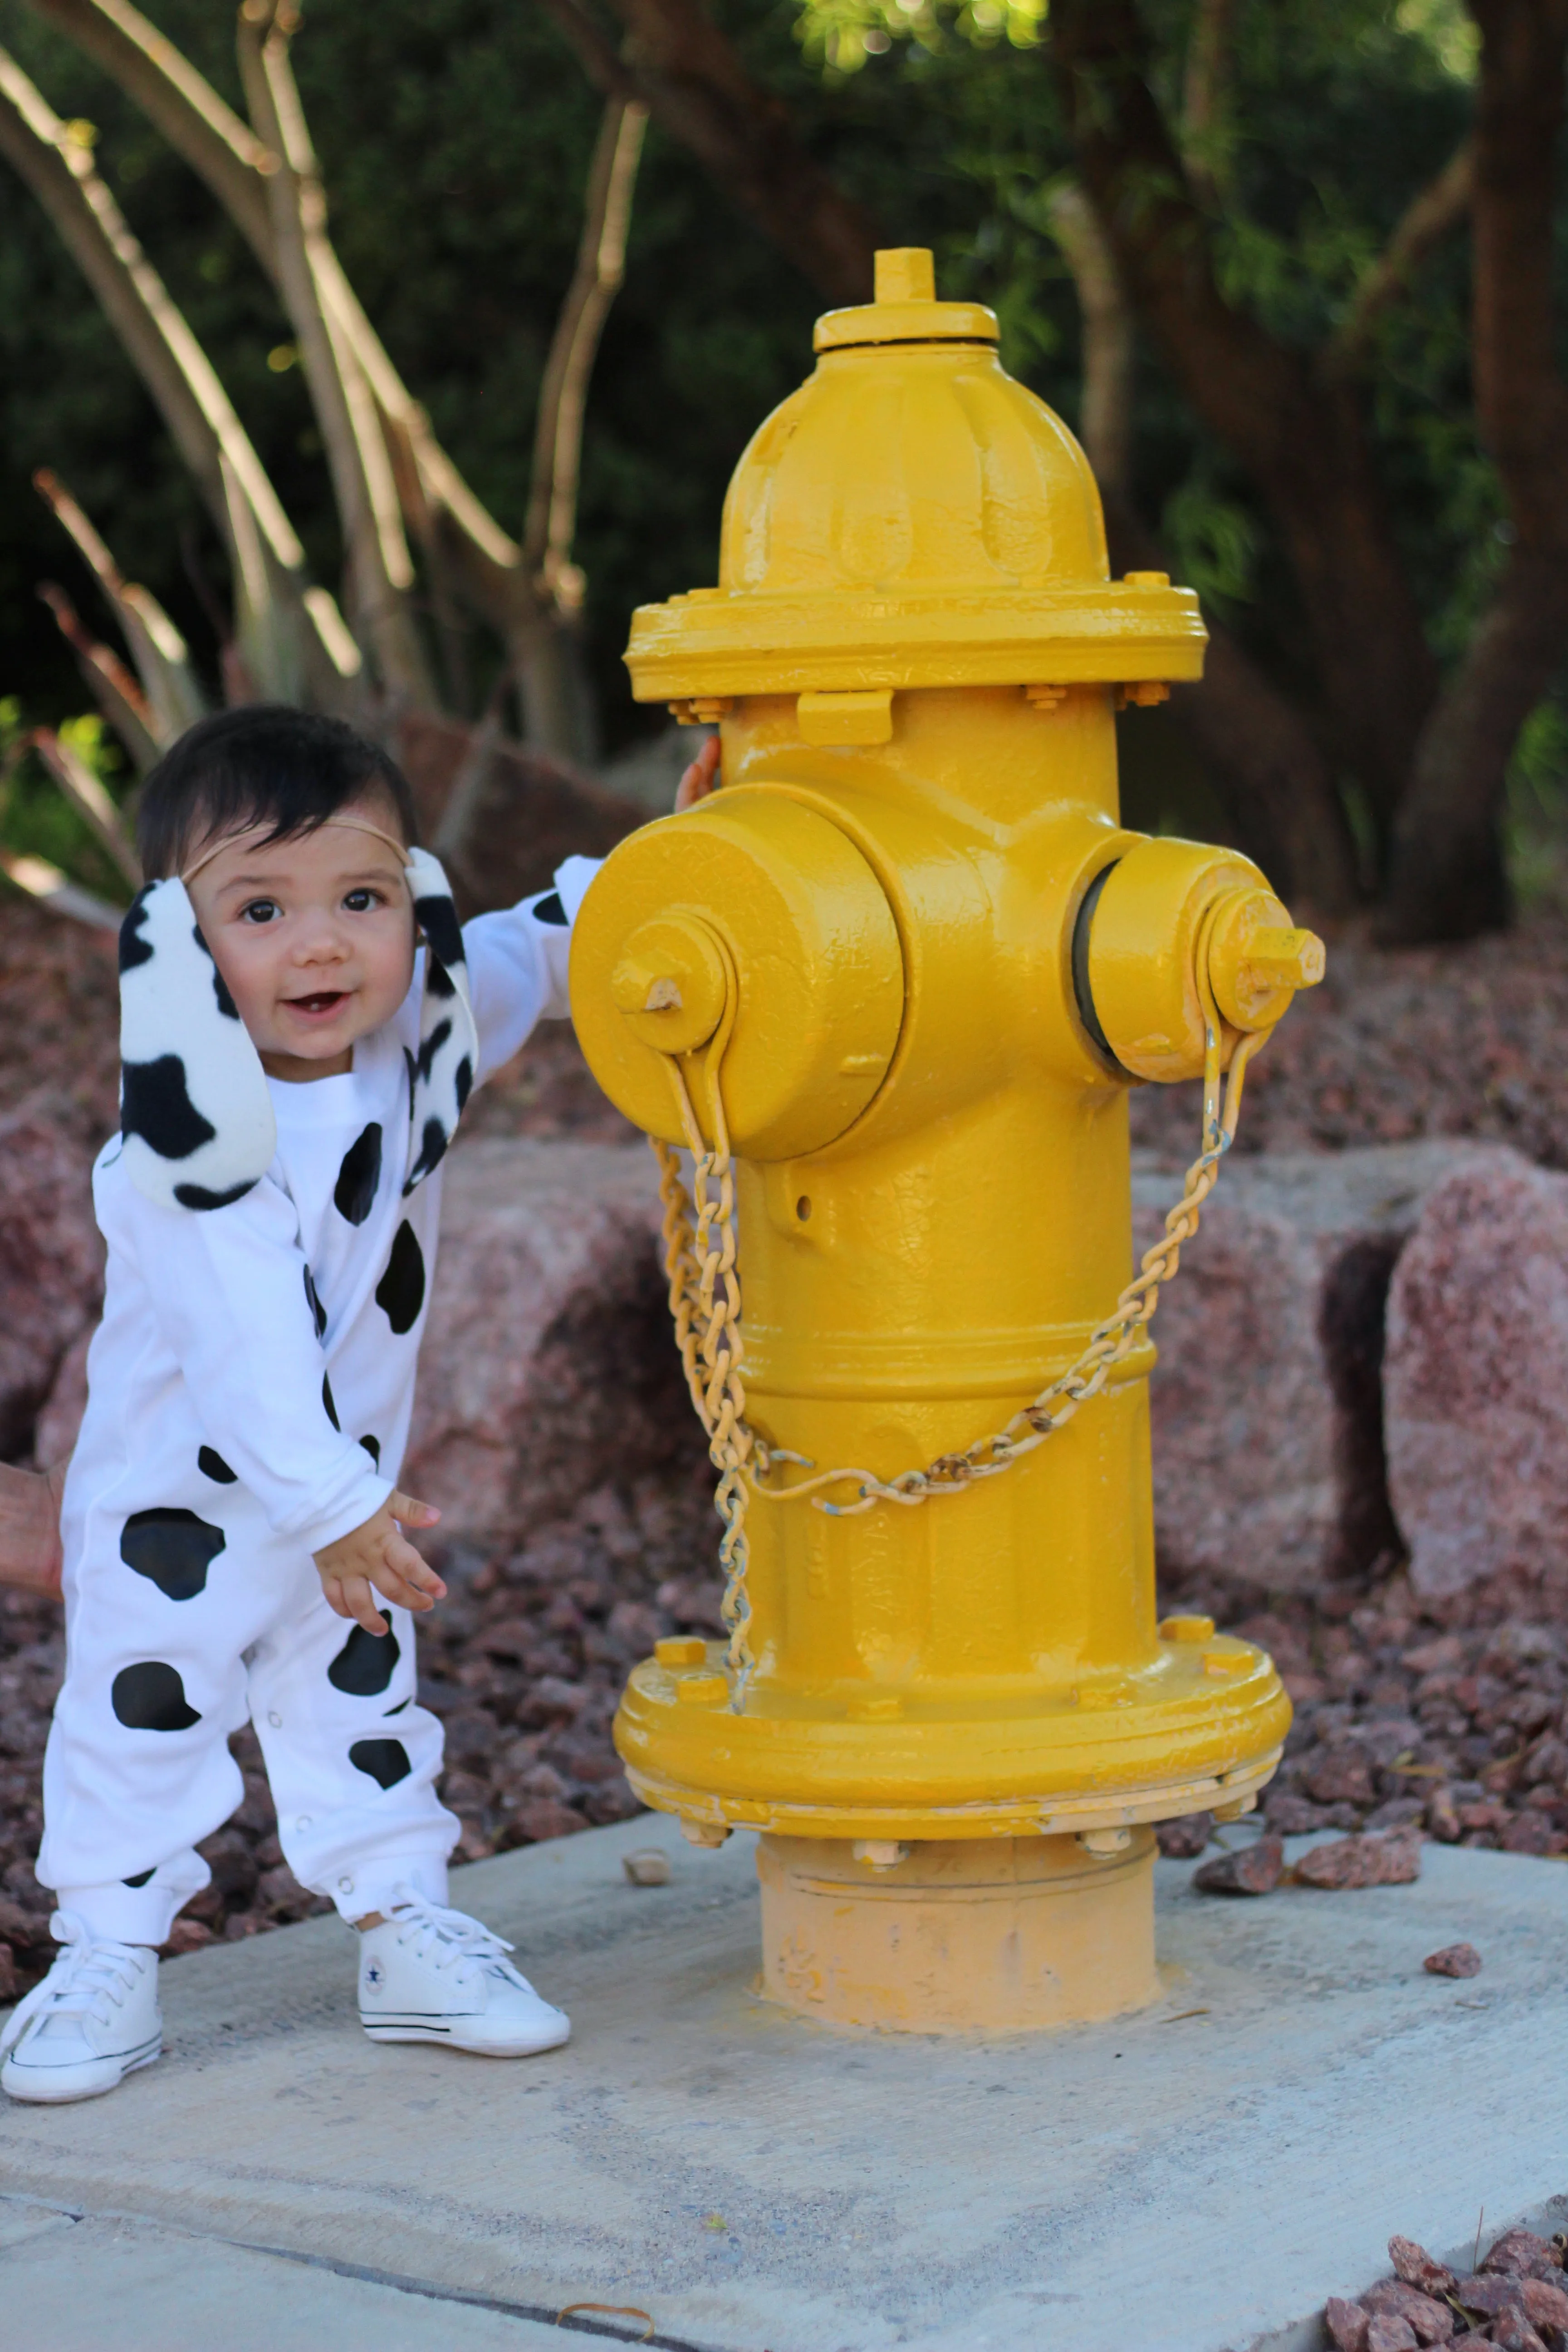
{"x":357,"y":823}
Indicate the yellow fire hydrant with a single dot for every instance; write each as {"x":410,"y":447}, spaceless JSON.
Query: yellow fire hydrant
{"x":906,"y":966}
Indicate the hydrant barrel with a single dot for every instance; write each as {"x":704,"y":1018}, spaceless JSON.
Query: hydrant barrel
{"x":913,"y":950}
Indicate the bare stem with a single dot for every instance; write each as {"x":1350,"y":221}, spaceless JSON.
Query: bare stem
{"x":558,"y":437}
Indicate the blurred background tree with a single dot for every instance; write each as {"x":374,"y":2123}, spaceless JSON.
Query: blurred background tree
{"x":1156,"y":199}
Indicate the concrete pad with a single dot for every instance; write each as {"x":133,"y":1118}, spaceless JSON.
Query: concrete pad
{"x":1195,"y":2178}
{"x":98,"y":2285}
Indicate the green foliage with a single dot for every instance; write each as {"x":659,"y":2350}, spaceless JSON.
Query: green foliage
{"x":37,"y":819}
{"x":456,"y":137}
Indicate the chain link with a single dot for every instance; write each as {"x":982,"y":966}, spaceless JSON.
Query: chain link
{"x":700,"y":1261}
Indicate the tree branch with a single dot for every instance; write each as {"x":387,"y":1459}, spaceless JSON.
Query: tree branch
{"x":220,"y":148}
{"x":87,"y":796}
{"x":115,"y":690}
{"x":365,"y":495}
{"x":158,"y":650}
{"x":167,"y":356}
{"x":235,"y":163}
{"x":1302,"y":441}
{"x":692,"y":81}
{"x":558,"y":434}
{"x":1430,"y":217}
{"x":1105,"y":415}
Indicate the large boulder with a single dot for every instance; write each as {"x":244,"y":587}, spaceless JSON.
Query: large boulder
{"x":51,"y":1254}
{"x":1269,"y":1449}
{"x":1475,"y":1378}
{"x":548,"y":1363}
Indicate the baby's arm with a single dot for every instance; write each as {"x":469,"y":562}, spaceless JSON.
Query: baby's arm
{"x":516,"y":961}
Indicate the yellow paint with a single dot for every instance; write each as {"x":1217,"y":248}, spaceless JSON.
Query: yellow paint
{"x":927,"y":1092}
{"x":1031,"y":1931}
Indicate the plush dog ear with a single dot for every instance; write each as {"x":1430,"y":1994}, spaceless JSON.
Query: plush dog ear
{"x":194,"y":1111}
{"x":441,"y":1075}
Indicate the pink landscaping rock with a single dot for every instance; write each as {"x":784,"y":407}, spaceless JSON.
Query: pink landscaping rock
{"x":51,"y":1257}
{"x":1347,"y":2325}
{"x":1387,"y":1859}
{"x":1253,"y":1869}
{"x":1454,"y":1960}
{"x":1475,"y":1377}
{"x":1268,"y":1443}
{"x":548,"y":1360}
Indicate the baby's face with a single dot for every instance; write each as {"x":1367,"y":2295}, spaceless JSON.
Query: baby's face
{"x":314,"y":938}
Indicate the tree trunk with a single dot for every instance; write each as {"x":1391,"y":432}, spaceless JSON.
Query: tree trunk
{"x":1266,"y":766}
{"x":1448,"y":878}
{"x":1302,"y":439}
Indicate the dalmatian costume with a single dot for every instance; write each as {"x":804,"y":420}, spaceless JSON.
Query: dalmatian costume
{"x":270,"y":1255}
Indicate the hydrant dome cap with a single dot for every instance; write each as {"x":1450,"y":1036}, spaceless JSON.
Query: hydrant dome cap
{"x":912,"y":516}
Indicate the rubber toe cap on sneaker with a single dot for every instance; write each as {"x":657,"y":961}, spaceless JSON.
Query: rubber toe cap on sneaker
{"x":58,"y":2077}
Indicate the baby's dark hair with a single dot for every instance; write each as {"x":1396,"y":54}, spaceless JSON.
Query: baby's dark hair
{"x":261,"y":764}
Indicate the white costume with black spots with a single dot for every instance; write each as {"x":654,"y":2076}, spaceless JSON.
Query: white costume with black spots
{"x":270,"y":1249}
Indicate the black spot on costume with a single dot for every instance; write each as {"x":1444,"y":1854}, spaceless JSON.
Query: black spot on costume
{"x":150,"y":1697}
{"x":363,"y":1666}
{"x":437,"y":919}
{"x":226,"y":1004}
{"x":141,"y":1878}
{"x":385,"y":1761}
{"x":328,"y":1401}
{"x":133,"y":948}
{"x":400,"y":1293}
{"x":155,"y":1105}
{"x":196,"y":1196}
{"x":372,"y":1447}
{"x":173,"y":1548}
{"x":213,"y":1465}
{"x":354,"y":1195}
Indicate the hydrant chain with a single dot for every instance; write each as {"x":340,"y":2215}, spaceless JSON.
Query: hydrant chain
{"x":705,"y":1302}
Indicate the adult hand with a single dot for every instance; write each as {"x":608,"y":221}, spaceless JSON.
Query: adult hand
{"x":30,"y":1529}
{"x":379,"y":1554}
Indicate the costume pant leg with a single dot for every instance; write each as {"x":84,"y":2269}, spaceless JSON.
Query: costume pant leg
{"x":138,"y":1767}
{"x":352,"y":1760}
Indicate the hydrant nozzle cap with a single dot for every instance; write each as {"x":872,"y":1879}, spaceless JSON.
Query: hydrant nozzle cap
{"x":906,"y":310}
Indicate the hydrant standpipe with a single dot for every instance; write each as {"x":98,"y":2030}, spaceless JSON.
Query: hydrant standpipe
{"x":908,"y":958}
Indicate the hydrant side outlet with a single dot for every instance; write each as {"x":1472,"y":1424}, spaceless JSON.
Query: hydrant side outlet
{"x":910,"y":959}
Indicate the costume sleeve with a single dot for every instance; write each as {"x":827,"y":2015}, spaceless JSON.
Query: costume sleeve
{"x":232,"y":1294}
{"x":517,"y":963}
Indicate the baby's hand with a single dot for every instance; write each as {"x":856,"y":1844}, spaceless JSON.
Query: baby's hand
{"x":699,"y":778}
{"x":378,"y":1553}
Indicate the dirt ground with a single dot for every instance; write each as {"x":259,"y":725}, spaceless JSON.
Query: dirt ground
{"x":1452,"y":1717}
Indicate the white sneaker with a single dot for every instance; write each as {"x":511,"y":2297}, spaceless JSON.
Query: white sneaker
{"x":93,"y":2020}
{"x":431,"y":1974}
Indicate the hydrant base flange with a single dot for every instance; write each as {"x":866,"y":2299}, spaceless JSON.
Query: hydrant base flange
{"x":1181,"y":1738}
{"x":1226,"y":1796}
{"x":1016,"y":1936}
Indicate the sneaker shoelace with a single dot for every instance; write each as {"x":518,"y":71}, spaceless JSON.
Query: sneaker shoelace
{"x":90,"y":1977}
{"x":448,"y":1939}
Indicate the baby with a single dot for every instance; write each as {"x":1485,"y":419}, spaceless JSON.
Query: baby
{"x":302,"y":1020}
